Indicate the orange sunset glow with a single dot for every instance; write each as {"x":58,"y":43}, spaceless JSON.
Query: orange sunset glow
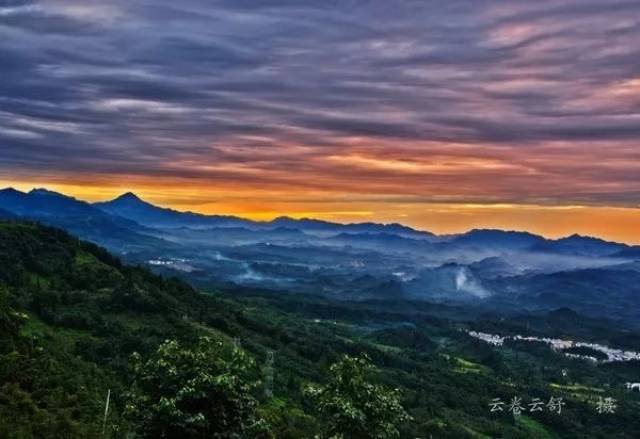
{"x":503,"y":116}
{"x":614,"y":223}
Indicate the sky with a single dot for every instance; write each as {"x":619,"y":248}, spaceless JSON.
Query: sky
{"x":443,"y":115}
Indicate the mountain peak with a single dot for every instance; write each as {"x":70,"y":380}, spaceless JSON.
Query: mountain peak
{"x":128,"y":196}
{"x":577,"y":237}
{"x":10,"y":190}
{"x":43,"y":191}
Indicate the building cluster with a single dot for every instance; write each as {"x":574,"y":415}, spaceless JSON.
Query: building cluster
{"x":167,"y":261}
{"x":635,"y":387}
{"x":612,"y":354}
{"x":495,"y":340}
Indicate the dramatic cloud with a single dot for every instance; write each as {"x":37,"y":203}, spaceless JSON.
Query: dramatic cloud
{"x":473,"y":101}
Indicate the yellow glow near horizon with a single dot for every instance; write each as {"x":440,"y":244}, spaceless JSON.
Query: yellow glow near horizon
{"x":613,"y":223}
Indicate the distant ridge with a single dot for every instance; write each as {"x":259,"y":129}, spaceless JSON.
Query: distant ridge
{"x":43,"y":191}
{"x":76,"y":216}
{"x":130,"y":211}
{"x":131,"y":206}
{"x":581,"y":245}
{"x":495,"y":238}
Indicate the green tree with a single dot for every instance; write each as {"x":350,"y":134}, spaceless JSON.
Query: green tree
{"x":203,"y":392}
{"x":353,"y":406}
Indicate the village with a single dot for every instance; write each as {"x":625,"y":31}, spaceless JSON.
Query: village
{"x":613,"y":355}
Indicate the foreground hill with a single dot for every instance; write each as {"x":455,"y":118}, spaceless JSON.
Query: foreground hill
{"x":71,"y":314}
{"x":82,"y":313}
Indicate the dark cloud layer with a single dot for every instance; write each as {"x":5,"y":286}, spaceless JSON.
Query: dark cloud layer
{"x":478,"y":99}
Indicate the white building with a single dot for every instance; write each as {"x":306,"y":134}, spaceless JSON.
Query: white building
{"x":633,"y":387}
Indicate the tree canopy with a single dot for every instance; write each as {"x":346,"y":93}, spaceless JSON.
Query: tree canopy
{"x":199,"y":392}
{"x":354,"y":406}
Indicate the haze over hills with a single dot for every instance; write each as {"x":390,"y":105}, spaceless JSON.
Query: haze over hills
{"x":488,"y":268}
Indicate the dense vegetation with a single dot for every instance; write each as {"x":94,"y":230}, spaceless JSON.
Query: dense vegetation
{"x":201,"y":392}
{"x":76,"y":323}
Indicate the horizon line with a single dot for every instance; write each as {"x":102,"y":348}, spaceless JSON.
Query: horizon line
{"x":294,"y":218}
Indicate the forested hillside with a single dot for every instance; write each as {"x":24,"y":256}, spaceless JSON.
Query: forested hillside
{"x":77,"y":324}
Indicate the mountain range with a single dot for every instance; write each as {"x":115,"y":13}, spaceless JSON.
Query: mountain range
{"x":130,"y":212}
{"x":78,"y":217}
{"x":130,"y":206}
{"x":363,"y":261}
